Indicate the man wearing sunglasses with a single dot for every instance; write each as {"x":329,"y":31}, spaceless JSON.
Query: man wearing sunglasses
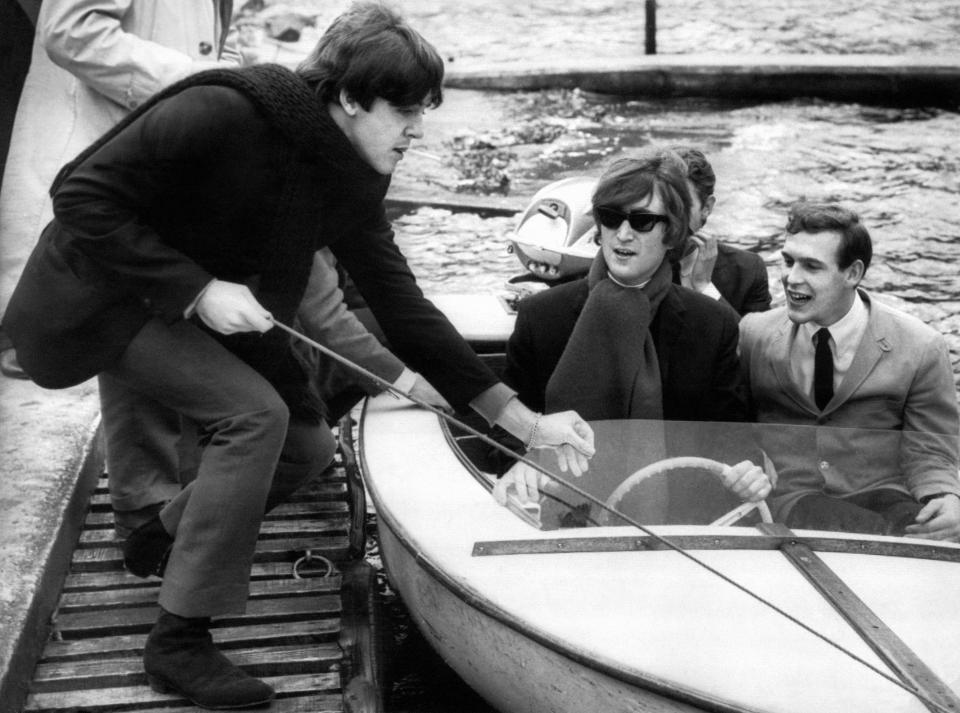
{"x":625,"y":342}
{"x":723,"y":272}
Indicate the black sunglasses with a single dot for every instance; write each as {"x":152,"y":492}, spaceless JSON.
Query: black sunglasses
{"x":640,"y":220}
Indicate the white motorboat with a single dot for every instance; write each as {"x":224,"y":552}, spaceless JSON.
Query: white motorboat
{"x":560,"y":607}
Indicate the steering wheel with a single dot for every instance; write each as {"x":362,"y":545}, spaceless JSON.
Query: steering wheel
{"x":668,"y":465}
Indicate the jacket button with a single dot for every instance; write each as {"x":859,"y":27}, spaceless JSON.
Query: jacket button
{"x":206,"y":48}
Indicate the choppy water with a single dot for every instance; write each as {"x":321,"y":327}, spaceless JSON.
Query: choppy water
{"x":898,"y":168}
{"x":500,"y":31}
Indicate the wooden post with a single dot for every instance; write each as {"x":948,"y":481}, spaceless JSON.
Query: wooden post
{"x":651,"y":26}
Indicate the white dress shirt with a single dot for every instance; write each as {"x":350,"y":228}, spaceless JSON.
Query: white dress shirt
{"x":845,"y":336}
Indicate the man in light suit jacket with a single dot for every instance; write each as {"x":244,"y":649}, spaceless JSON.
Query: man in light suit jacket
{"x":873,"y":447}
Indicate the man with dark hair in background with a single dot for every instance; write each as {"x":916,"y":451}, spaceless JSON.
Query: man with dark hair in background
{"x":716,"y":269}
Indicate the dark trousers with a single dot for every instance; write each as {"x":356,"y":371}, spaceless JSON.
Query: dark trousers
{"x":150,"y":449}
{"x":251,"y":457}
{"x":879,"y":512}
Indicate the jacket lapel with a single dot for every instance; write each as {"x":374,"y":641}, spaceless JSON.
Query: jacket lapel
{"x":778,"y":361}
{"x":871,"y":349}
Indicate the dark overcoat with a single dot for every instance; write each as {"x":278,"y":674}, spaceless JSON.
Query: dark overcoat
{"x":695,"y":338}
{"x":234,"y":175}
{"x":696,"y":343}
{"x":740,"y":276}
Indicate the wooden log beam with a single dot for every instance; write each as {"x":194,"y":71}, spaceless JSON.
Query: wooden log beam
{"x":871,"y":628}
{"x":870,"y":78}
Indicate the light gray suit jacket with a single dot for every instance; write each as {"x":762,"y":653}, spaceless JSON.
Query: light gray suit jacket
{"x":892,"y":423}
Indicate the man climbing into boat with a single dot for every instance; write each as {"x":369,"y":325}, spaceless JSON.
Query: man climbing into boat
{"x":180,"y":237}
{"x":654,"y":349}
{"x":869,"y":388}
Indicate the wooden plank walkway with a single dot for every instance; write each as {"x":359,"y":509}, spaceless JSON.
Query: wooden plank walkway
{"x":299,"y":633}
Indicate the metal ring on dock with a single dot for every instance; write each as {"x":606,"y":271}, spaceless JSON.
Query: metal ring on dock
{"x":310,"y":556}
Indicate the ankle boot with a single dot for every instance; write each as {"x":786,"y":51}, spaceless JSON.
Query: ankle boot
{"x":180,"y":657}
{"x":126,"y":521}
{"x":146,"y":551}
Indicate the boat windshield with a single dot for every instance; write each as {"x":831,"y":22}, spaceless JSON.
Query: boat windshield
{"x":672,"y":472}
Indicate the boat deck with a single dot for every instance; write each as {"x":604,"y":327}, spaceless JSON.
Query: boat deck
{"x":299,"y":631}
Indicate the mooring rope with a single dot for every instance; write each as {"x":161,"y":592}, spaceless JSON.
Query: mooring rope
{"x":579,"y":491}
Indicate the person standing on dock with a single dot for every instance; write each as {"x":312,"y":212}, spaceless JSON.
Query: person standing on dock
{"x":181,"y":236}
{"x":91,"y":64}
{"x":869,"y":388}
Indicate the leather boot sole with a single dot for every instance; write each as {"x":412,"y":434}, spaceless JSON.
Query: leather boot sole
{"x":162,"y":686}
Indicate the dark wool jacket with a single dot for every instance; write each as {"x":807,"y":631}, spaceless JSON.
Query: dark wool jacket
{"x":695,"y":338}
{"x":239,"y":175}
{"x":740,"y":276}
{"x":696,"y":342}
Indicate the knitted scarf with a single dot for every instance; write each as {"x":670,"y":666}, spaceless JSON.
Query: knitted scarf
{"x":609,"y":368}
{"x":608,"y":373}
{"x":284,"y":99}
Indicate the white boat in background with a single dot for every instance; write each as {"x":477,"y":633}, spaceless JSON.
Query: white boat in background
{"x":537,"y":613}
{"x":557,"y":229}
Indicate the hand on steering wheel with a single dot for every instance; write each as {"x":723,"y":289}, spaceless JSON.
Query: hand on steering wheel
{"x":745,"y":479}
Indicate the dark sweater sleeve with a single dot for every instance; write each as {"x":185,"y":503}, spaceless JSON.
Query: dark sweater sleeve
{"x":757,"y":297}
{"x":521,"y":370}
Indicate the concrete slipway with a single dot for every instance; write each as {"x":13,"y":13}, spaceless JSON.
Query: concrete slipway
{"x":50,"y":461}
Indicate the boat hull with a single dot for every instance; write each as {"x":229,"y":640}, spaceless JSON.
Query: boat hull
{"x":601,"y":619}
{"x":566,"y":262}
{"x":533,"y":676}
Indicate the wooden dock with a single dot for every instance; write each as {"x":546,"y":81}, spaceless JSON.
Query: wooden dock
{"x":926,"y":80}
{"x":307,"y":629}
{"x":405,"y":198}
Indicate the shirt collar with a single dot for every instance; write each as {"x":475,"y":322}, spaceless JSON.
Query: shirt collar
{"x":846,"y":331}
{"x":615,"y":281}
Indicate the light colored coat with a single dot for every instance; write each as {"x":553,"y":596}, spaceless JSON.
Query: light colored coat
{"x":900,"y":381}
{"x":325,"y":318}
{"x":92,"y":62}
